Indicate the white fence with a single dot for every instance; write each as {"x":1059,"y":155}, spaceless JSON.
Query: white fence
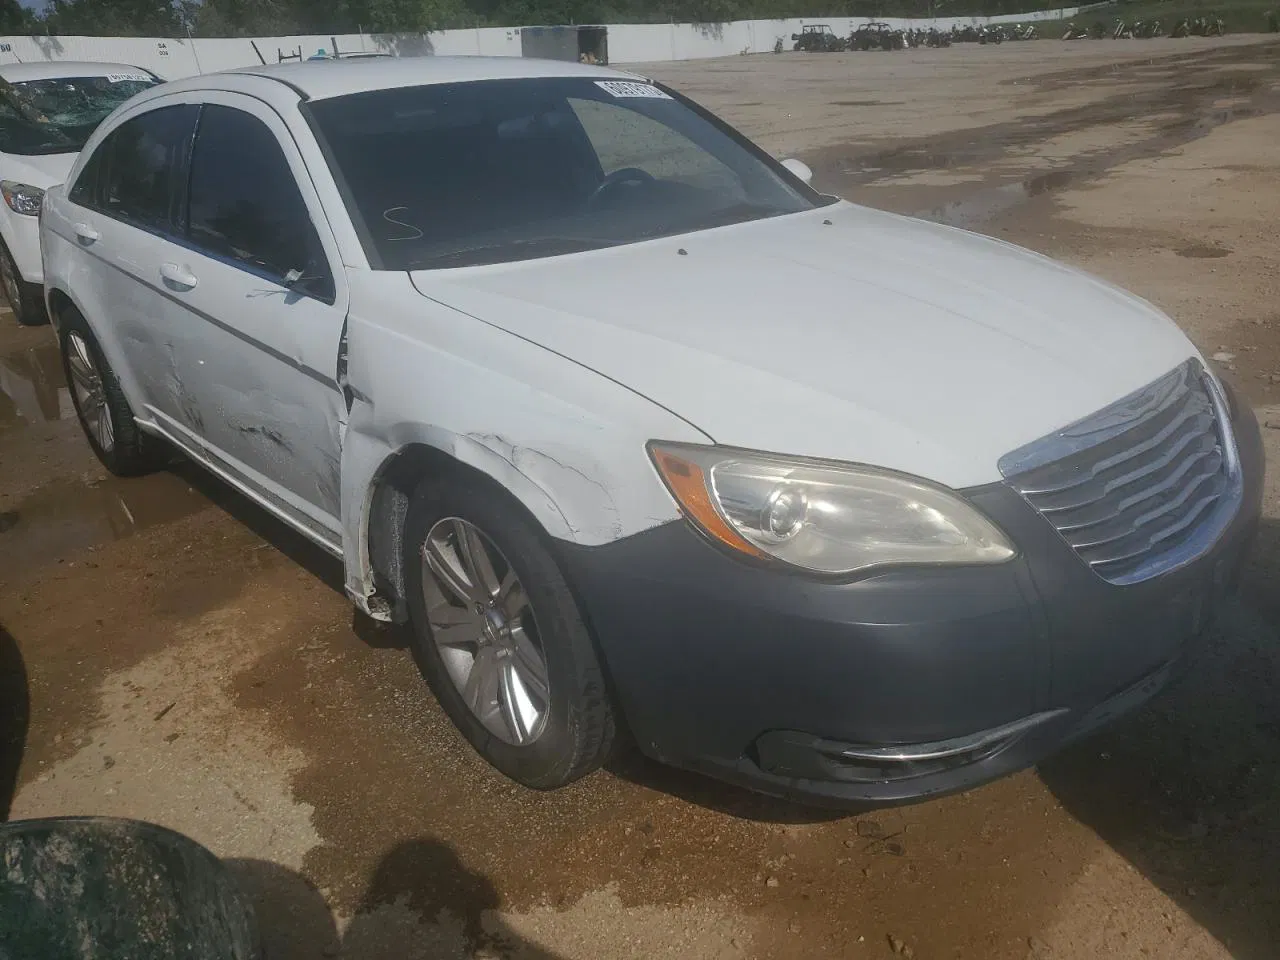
{"x":628,"y":43}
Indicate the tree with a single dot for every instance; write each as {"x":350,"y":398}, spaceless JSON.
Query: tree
{"x":15,"y":19}
{"x":114,"y":18}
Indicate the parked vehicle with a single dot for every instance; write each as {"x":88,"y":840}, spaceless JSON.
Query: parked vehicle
{"x":1022,"y":31}
{"x":47,"y":112}
{"x":1147,"y":29}
{"x":1210,"y":26}
{"x":538,"y":375}
{"x":1075,"y":33}
{"x":877,"y":35}
{"x":817,"y":37}
{"x":1122,"y":30}
{"x":938,"y":38}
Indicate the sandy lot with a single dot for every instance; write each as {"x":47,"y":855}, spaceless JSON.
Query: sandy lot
{"x":191,"y":662}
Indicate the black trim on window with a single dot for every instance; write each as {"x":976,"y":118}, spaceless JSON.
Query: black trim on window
{"x":327,"y":293}
{"x":97,"y":168}
{"x":178,"y":229}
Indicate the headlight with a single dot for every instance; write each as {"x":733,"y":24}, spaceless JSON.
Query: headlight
{"x":834,"y":519}
{"x":22,"y":197}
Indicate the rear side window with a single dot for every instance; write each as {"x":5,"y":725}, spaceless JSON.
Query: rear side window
{"x":245,"y":205}
{"x":134,"y":173}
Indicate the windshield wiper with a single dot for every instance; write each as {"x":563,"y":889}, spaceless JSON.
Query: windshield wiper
{"x":517,"y":249}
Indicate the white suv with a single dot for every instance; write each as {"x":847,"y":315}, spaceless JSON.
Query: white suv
{"x":47,"y":112}
{"x":628,"y":422}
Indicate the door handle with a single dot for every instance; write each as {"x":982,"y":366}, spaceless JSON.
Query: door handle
{"x":176,"y":276}
{"x":85,"y":233}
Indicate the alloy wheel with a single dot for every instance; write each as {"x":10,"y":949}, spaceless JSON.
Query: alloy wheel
{"x":91,"y":398}
{"x":485,"y":631}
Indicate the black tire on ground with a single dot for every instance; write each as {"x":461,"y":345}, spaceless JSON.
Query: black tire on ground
{"x":132,"y":453}
{"x":579,"y":730}
{"x":26,"y":300}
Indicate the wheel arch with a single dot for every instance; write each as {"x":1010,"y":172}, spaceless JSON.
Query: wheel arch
{"x":57,"y":300}
{"x":391,"y":486}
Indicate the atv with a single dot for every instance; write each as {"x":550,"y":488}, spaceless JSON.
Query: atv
{"x":818,"y":38}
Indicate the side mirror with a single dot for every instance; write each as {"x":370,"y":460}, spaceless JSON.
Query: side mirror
{"x":798,"y":169}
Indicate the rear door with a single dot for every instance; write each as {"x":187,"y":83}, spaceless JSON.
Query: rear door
{"x":122,"y":207}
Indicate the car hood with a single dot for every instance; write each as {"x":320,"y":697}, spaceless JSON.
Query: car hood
{"x":43,"y":170}
{"x":843,"y":333}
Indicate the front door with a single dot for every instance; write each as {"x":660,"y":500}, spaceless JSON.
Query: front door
{"x":259,"y":310}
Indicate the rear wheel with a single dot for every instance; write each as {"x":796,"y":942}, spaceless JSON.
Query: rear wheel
{"x":26,"y":300}
{"x":499,"y":637}
{"x":101,"y":405}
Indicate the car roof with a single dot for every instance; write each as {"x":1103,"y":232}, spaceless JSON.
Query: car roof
{"x":57,"y":69}
{"x":323,"y":79}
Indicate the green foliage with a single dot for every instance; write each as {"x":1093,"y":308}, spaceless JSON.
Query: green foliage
{"x":1239,"y":16}
{"x":153,"y":18}
{"x":15,"y":18}
{"x":241,"y":18}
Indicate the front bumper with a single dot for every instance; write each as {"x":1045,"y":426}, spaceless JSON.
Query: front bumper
{"x":900,"y":686}
{"x":22,"y":236}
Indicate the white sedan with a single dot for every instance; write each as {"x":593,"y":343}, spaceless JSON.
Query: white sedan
{"x":631,"y":424}
{"x":47,"y":112}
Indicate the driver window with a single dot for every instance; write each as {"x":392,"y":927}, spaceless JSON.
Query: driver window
{"x":625,"y":138}
{"x":245,"y":206}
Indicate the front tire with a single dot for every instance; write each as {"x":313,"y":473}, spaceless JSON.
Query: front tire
{"x":101,"y":406}
{"x":499,"y":637}
{"x":26,"y":300}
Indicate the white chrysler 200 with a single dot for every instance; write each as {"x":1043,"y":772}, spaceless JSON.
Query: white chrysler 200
{"x":632,"y":425}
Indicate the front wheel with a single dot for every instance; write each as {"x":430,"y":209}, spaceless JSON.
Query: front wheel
{"x":26,"y":300}
{"x":499,"y":637}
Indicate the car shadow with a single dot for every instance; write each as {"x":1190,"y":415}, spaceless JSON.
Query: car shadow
{"x":1188,"y":790}
{"x":627,"y":764}
{"x":15,"y":716}
{"x":315,"y":559}
{"x":421,"y":902}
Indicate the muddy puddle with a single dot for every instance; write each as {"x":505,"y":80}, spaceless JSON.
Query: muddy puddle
{"x":1163,"y":104}
{"x":63,"y":518}
{"x":32,"y":387}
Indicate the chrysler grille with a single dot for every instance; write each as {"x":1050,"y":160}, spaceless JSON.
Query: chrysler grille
{"x":1141,"y":487}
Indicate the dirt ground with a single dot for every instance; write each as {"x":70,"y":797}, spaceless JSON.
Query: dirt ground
{"x":191,"y":662}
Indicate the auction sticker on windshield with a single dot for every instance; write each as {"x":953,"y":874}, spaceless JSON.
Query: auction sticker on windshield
{"x":128,"y":78}
{"x":623,"y":88}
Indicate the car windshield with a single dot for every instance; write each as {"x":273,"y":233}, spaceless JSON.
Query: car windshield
{"x":491,"y":171}
{"x":58,"y":115}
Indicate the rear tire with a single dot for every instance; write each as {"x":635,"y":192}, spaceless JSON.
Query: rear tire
{"x":574,"y":733}
{"x":101,"y":406}
{"x":26,"y":300}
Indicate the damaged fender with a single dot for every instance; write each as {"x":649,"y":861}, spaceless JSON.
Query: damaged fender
{"x":564,"y":441}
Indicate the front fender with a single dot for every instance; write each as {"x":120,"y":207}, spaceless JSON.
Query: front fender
{"x":566,"y":442}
